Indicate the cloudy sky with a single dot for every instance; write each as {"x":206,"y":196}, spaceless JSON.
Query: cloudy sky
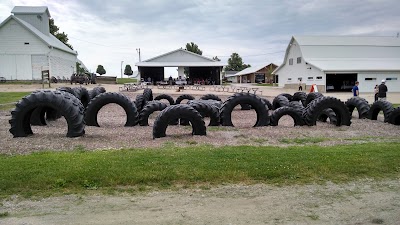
{"x":108,"y":32}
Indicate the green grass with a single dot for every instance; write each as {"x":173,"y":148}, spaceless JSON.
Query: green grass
{"x":18,"y":82}
{"x":307,"y":140}
{"x":10,"y":97}
{"x":265,"y":85}
{"x":50,"y":173}
{"x":396,"y":105}
{"x":125,"y":80}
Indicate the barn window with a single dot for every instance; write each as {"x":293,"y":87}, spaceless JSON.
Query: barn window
{"x":26,"y":43}
{"x":319,"y":78}
{"x":289,"y":79}
{"x":290,"y":61}
{"x":391,"y":78}
{"x":370,"y":78}
{"x":310,"y":78}
{"x":298,"y":60}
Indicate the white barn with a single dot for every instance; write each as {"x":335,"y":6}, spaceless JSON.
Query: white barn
{"x":27,"y":47}
{"x":334,"y":63}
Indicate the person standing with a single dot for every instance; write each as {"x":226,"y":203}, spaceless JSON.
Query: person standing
{"x":300,"y":85}
{"x":355,"y":89}
{"x":382,"y":90}
{"x":376,"y":90}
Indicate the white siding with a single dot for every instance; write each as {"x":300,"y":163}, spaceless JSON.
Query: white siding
{"x":368,"y":85}
{"x":40,"y":24}
{"x":13,"y":38}
{"x":62,"y":64}
{"x":300,"y":70}
{"x":180,"y":56}
{"x":16,"y":67}
{"x":39,"y":63}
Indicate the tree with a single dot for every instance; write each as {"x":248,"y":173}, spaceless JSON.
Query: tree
{"x":63,"y":37}
{"x":100,"y":70}
{"x":192,"y":47}
{"x":235,"y":63}
{"x":128,"y":70}
{"x":216,"y":58}
{"x":79,"y":69}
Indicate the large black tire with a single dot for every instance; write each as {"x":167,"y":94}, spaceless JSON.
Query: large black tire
{"x":70,"y":107}
{"x":288,"y":96}
{"x":394,"y":117}
{"x":328,"y":114}
{"x":216,"y":103}
{"x":148,"y":94}
{"x":96,"y":91}
{"x":267,"y":103}
{"x":68,"y":90}
{"x":182,"y":97}
{"x":180,"y":111}
{"x":210,"y":97}
{"x":83,"y":95}
{"x":311,"y":96}
{"x":290,"y":111}
{"x":314,"y":110}
{"x":103,"y":99}
{"x":361,"y":104}
{"x":148,"y":109}
{"x":297,"y":105}
{"x":207,"y":110}
{"x":300,"y":96}
{"x":280,"y":101}
{"x":378,"y":106}
{"x":101,"y":89}
{"x":244,"y":98}
{"x":140,"y":102}
{"x":167,"y":97}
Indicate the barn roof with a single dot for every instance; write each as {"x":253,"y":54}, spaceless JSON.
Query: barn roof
{"x":252,"y":69}
{"x":30,"y":10}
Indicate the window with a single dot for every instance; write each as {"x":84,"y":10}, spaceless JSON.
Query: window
{"x":289,"y":79}
{"x":290,"y":61}
{"x":319,"y":78}
{"x":391,"y":78}
{"x":300,"y":79}
{"x":310,"y":78}
{"x":298,"y":60}
{"x":370,"y":78}
{"x":26,"y":43}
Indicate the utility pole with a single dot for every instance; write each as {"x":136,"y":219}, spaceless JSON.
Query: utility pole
{"x":121,"y":67}
{"x":138,"y":51}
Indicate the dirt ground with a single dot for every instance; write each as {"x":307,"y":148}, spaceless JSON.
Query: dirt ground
{"x":359,"y":202}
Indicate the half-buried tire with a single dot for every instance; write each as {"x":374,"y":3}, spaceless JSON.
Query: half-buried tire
{"x":166,"y":97}
{"x":148,"y":109}
{"x":183,"y":97}
{"x":244,"y":98}
{"x":311,"y":96}
{"x":394,"y":117}
{"x":207,"y":110}
{"x":175,"y":112}
{"x":328,"y":114}
{"x":70,"y":107}
{"x":280,"y":101}
{"x":314,"y":110}
{"x":210,"y":97}
{"x":148,"y":94}
{"x":83,"y":95}
{"x":295,"y":113}
{"x":361,"y":104}
{"x":378,"y":106}
{"x":111,"y":97}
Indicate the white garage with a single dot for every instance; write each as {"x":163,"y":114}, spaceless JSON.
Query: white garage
{"x":27,"y":47}
{"x":335,"y":63}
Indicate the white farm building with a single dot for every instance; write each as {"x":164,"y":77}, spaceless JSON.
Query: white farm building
{"x":27,"y":47}
{"x":334,"y":63}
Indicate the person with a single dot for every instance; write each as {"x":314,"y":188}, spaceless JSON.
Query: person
{"x":300,"y":86}
{"x":376,"y":90}
{"x":382,"y":90}
{"x":355,"y":89}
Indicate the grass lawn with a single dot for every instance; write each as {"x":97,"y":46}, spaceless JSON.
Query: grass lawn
{"x":125,"y":80}
{"x":265,"y":85}
{"x":138,"y":169}
{"x":9,"y":97}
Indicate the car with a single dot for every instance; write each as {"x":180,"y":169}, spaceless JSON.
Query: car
{"x":2,"y":79}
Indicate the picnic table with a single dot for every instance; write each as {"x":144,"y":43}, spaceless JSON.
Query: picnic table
{"x":129,"y":87}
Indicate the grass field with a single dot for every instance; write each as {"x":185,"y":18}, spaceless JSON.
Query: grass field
{"x":51,"y":173}
{"x":10,"y":97}
{"x":264,"y":85}
{"x":125,"y":80}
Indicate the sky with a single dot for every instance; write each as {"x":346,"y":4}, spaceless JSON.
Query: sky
{"x":109,"y":32}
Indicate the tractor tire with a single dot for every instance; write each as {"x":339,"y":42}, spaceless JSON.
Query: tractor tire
{"x":148,"y":109}
{"x":311,"y":96}
{"x":244,"y":98}
{"x":182,"y":97}
{"x":288,"y":96}
{"x":83,"y":95}
{"x":300,"y":96}
{"x":394,"y":117}
{"x":210,"y":97}
{"x":167,"y":97}
{"x":361,"y":104}
{"x":215,"y":103}
{"x":111,"y":97}
{"x":174,"y":112}
{"x":207,"y":110}
{"x":280,"y":101}
{"x":148,"y":94}
{"x":314,"y":110}
{"x":378,"y":106}
{"x":267,"y":103}
{"x":69,"y":107}
{"x":68,"y":90}
{"x":286,"y":110}
{"x":140,"y":102}
{"x":328,"y":114}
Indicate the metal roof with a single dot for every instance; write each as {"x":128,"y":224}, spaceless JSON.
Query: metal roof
{"x":178,"y":58}
{"x":348,"y":53}
{"x":30,"y":10}
{"x":48,"y":39}
{"x":252,"y":69}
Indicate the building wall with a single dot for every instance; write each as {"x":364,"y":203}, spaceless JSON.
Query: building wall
{"x":367,"y":85}
{"x":180,"y":56}
{"x":41,"y":23}
{"x":62,"y":64}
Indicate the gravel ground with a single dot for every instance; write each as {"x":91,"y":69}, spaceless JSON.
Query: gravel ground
{"x":113,"y":135}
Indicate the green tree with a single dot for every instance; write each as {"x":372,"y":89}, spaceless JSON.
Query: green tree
{"x":100,"y":70}
{"x":63,"y":37}
{"x":235,"y":63}
{"x":79,"y":69}
{"x":192,"y":47}
{"x":216,"y":58}
{"x":128,"y":70}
